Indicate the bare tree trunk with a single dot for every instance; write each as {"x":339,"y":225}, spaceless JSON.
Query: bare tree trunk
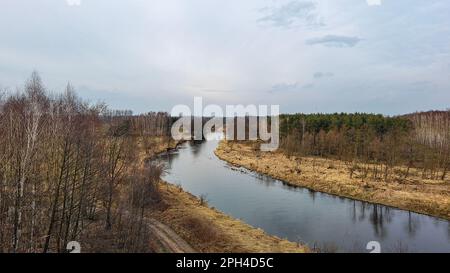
{"x":56,"y":200}
{"x":108,"y":211}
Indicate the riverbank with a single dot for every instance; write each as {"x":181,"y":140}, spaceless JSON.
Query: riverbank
{"x":209,"y":230}
{"x":180,"y":222}
{"x":149,"y":147}
{"x":431,"y":197}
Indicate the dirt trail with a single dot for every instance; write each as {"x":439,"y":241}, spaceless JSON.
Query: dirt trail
{"x":166,"y":240}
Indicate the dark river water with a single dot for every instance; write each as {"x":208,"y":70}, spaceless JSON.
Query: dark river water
{"x":301,"y":215}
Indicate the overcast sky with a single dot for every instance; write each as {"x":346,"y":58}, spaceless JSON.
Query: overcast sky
{"x":388,"y":56}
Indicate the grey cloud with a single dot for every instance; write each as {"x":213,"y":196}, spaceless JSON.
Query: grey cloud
{"x":289,"y":87}
{"x":319,"y":75}
{"x":206,"y":90}
{"x":300,"y":12}
{"x":334,"y":41}
{"x":283,"y":87}
{"x":308,"y":86}
{"x":203,"y":89}
{"x":138,"y":58}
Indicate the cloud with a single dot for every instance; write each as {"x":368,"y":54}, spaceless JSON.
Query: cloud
{"x":308,"y":86}
{"x":214,"y":90}
{"x":319,"y":75}
{"x":334,"y":41}
{"x":73,"y":2}
{"x":373,"y":2}
{"x":289,"y":87}
{"x":151,"y":54}
{"x":283,"y":87}
{"x":294,"y":12}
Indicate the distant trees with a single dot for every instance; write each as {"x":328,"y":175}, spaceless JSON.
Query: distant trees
{"x":432,"y":131}
{"x":62,"y":164}
{"x":373,"y":143}
{"x":152,"y":124}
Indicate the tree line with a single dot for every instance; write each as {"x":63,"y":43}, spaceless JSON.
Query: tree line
{"x":373,"y":144}
{"x":66,"y":166}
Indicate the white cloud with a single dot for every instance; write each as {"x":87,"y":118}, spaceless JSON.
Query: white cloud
{"x":373,"y":2}
{"x":73,"y":2}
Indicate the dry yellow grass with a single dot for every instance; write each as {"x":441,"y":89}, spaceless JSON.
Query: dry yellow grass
{"x":209,"y":230}
{"x":425,"y":196}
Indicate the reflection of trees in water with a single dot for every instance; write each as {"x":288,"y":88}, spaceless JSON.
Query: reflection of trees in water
{"x":267,"y":180}
{"x":288,"y":186}
{"x":312,"y":194}
{"x":412,"y":225}
{"x":354,"y":212}
{"x":362,"y":215}
{"x":379,"y":216}
{"x":197,"y":147}
{"x":165,"y":159}
{"x":399,"y":247}
{"x":377,"y":220}
{"x":358,"y":211}
{"x":448,"y":231}
{"x":264,"y":179}
{"x":170,"y":157}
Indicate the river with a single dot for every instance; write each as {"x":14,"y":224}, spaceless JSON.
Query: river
{"x":326,"y":221}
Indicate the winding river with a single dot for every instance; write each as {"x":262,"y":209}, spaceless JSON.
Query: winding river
{"x":326,"y":221}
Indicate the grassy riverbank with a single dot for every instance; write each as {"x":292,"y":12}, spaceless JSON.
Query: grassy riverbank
{"x":425,"y":196}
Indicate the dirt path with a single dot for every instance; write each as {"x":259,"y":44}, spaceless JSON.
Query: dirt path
{"x":166,"y":240}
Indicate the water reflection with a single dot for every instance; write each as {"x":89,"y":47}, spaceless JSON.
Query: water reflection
{"x":412,"y":226}
{"x":378,"y":215}
{"x":196,"y":147}
{"x":378,"y":219}
{"x":448,"y":232}
{"x":312,"y":194}
{"x":298,"y":213}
